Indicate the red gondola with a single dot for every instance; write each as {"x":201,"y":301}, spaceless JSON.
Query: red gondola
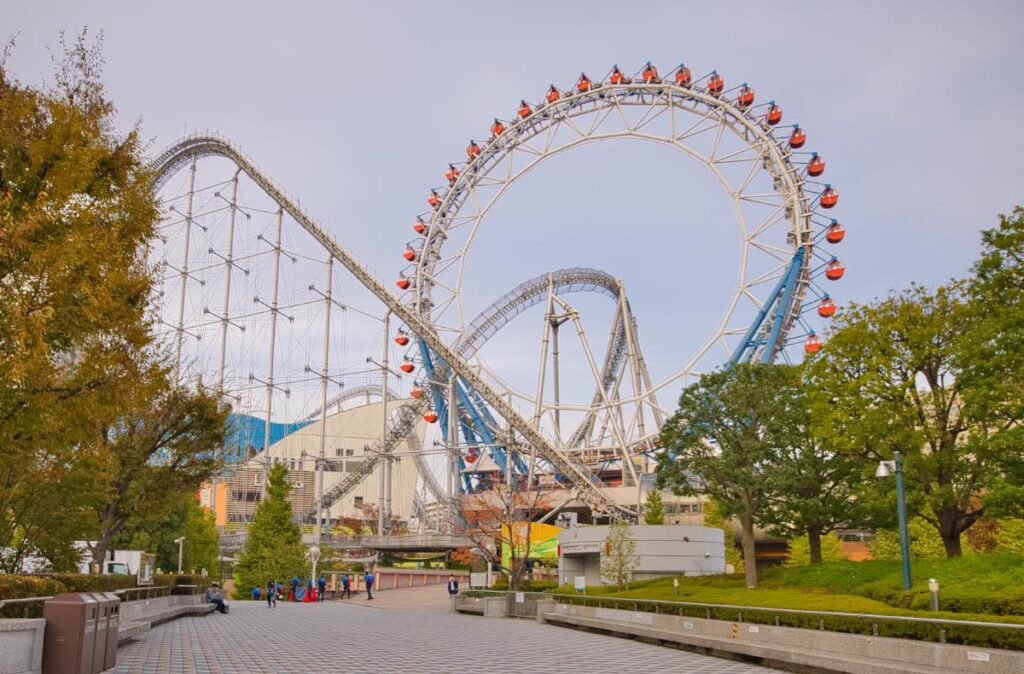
{"x":524,"y":110}
{"x":774,"y":114}
{"x":834,"y":270}
{"x":472,"y":454}
{"x":798,"y":138}
{"x":497,"y":128}
{"x":419,"y":226}
{"x":583,"y":84}
{"x":715,"y":84}
{"x":403,"y":282}
{"x":434,"y":200}
{"x":409,"y":254}
{"x":452,"y":174}
{"x":835,"y":232}
{"x":472,"y":150}
{"x":684,"y":77}
{"x":650,"y":75}
{"x":416,"y":392}
{"x":813,"y":344}
{"x":407,"y":365}
{"x":617,"y":77}
{"x":827,"y":307}
{"x":430,"y":417}
{"x":553,"y":94}
{"x":816,"y":166}
{"x":746,"y":97}
{"x":829,"y":198}
{"x":401,"y":339}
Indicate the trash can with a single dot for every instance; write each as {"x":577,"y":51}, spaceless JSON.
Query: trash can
{"x":70,"y":634}
{"x":99,"y":649}
{"x":112,"y":627}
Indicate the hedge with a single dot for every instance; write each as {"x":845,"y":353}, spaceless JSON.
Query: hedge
{"x":501,"y":583}
{"x":50,"y":584}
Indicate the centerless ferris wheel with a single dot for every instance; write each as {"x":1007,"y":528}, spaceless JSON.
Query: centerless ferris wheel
{"x":779,"y":205}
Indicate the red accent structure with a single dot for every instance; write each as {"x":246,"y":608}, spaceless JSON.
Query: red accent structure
{"x":834,"y":270}
{"x":472,"y":150}
{"x":827,"y":307}
{"x":553,"y":94}
{"x":746,"y":97}
{"x":684,"y":77}
{"x":715,"y":84}
{"x":816,"y":166}
{"x":403,"y":282}
{"x":452,"y":174}
{"x":835,"y":233}
{"x":650,"y":75}
{"x":430,"y":417}
{"x":407,"y":365}
{"x":774,"y":115}
{"x":401,"y":339}
{"x":419,"y":226}
{"x":434,"y":200}
{"x":829,"y":198}
{"x":416,"y":392}
{"x":497,"y":128}
{"x":813,"y":344}
{"x":524,"y":109}
{"x":798,"y":138}
{"x":409,"y":254}
{"x":472,"y":454}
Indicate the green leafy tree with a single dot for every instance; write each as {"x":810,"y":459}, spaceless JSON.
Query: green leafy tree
{"x":829,"y":550}
{"x":724,"y":441}
{"x":925,"y":542}
{"x":619,"y":559}
{"x":273,"y":549}
{"x":654,"y":509}
{"x":992,"y":360}
{"x":814,"y":487}
{"x":156,"y":534}
{"x":893,"y":370}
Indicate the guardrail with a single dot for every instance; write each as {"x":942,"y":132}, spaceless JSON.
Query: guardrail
{"x":149,"y":592}
{"x":27,"y":601}
{"x":944,"y":629}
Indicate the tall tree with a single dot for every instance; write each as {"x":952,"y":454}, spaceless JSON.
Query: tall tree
{"x":893,"y":370}
{"x":814,"y":486}
{"x":992,"y":358}
{"x":619,"y":559}
{"x":724,"y":440}
{"x":76,"y":212}
{"x":273,"y":549}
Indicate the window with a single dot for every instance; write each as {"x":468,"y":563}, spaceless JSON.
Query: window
{"x":245,"y":496}
{"x":350,"y":452}
{"x":358,"y":501}
{"x":338,"y":451}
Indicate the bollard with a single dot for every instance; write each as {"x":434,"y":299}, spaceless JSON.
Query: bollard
{"x":933,"y":589}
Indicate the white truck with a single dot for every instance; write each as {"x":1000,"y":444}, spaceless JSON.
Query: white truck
{"x":122,"y":563}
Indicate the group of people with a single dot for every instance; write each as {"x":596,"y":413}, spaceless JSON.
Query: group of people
{"x":274,"y":590}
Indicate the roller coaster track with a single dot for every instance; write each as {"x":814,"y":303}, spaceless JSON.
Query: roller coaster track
{"x":577,"y":474}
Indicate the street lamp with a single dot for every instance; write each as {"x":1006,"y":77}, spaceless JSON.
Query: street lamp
{"x":181,"y":548}
{"x":314,"y":556}
{"x":885,"y":469}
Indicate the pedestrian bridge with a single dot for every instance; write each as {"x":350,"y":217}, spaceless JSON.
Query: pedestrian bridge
{"x":433,"y":542}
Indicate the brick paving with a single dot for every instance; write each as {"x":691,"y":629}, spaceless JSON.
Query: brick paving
{"x":403,"y":631}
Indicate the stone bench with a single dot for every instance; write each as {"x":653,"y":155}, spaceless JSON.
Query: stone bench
{"x":137,"y":621}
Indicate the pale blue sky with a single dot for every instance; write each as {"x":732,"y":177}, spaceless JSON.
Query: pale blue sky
{"x":357,"y":108}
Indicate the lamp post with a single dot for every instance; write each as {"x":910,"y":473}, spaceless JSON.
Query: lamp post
{"x":314,"y":556}
{"x":181,"y":548}
{"x":885,"y":469}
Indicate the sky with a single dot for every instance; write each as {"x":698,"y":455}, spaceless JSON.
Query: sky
{"x":358,"y":107}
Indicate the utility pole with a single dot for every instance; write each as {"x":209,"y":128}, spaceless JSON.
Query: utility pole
{"x":452,"y":452}
{"x":382,"y":502}
{"x":323,"y":399}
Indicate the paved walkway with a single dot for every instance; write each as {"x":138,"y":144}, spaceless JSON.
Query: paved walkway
{"x":401,"y":631}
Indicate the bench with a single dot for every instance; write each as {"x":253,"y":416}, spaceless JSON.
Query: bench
{"x":132,"y":629}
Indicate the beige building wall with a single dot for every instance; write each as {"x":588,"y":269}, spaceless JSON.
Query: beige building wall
{"x":348,"y":436}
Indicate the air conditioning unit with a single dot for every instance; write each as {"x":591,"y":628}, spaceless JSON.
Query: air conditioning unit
{"x":298,"y":485}
{"x":258,"y":480}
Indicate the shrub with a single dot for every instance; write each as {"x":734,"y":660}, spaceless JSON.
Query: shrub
{"x":501,"y":583}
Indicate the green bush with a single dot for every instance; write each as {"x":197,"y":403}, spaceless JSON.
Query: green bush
{"x":501,"y":583}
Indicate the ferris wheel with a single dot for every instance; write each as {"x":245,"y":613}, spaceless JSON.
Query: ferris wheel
{"x":781,"y":206}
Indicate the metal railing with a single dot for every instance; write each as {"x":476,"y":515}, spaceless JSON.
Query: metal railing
{"x":528,"y":608}
{"x":26,"y":601}
{"x":143,"y":592}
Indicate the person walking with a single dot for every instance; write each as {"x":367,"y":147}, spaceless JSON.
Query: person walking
{"x":346,"y":587}
{"x":271,"y":594}
{"x":453,"y":586}
{"x":368,"y":579}
{"x":321,"y":587}
{"x":293,"y":594}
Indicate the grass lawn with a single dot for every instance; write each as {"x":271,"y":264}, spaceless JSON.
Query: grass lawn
{"x":977,"y":587}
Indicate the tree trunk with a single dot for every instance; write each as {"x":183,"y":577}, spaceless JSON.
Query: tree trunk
{"x":814,"y":544}
{"x":952,"y":543}
{"x":749,"y":556}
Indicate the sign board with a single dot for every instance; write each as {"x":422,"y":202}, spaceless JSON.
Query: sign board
{"x":478,"y":579}
{"x":582,"y":547}
{"x":145,"y":573}
{"x":688,"y":625}
{"x":580,"y":583}
{"x":754,"y":629}
{"x":520,"y":597}
{"x":977,"y":656}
